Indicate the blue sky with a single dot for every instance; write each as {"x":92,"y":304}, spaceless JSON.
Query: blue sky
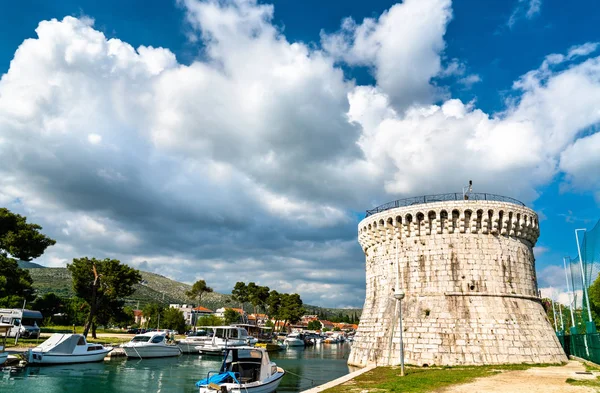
{"x":260,"y":144}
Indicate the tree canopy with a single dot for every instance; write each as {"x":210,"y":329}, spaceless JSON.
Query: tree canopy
{"x":314,"y":325}
{"x":198,"y":289}
{"x":102,"y":283}
{"x":258,"y":296}
{"x":18,"y":240}
{"x":152,"y":312}
{"x":174,"y":320}
{"x":240,"y":293}
{"x":231,"y":316}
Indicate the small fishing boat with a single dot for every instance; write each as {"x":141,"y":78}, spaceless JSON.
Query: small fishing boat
{"x":244,"y":370}
{"x":150,"y":345}
{"x":294,"y":340}
{"x":67,"y":349}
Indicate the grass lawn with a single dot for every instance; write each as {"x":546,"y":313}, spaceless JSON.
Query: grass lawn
{"x":593,"y":383}
{"x":419,"y":380}
{"x":78,"y":329}
{"x":32,"y":342}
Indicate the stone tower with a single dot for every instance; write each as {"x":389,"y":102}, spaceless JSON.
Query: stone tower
{"x":468,"y":272}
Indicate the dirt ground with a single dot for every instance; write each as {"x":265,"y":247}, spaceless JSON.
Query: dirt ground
{"x":533,"y":380}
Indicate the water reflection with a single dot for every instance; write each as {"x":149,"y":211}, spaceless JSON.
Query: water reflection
{"x":306,"y":368}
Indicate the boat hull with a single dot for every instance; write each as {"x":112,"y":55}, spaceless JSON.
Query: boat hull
{"x":189,"y":347}
{"x":51,"y":358}
{"x":294,"y":342}
{"x":154,"y":351}
{"x":267,"y":386}
{"x":3,"y":357}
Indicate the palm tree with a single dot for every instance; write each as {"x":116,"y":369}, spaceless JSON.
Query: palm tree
{"x":198,"y":289}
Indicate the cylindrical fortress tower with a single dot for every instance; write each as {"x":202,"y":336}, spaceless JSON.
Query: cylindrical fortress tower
{"x":468,"y":271}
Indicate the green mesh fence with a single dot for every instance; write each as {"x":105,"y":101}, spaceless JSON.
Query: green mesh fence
{"x":590,"y":253}
{"x":577,"y":298}
{"x":585,"y":346}
{"x":584,"y":274}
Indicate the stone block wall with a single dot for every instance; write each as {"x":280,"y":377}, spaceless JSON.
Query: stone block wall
{"x":468,"y":271}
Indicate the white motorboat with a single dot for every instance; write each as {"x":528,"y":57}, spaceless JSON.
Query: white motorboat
{"x":222,"y":337}
{"x":67,"y":349}
{"x":294,"y":340}
{"x":244,"y":370}
{"x":150,"y":345}
{"x":4,"y":329}
{"x":189,"y":344}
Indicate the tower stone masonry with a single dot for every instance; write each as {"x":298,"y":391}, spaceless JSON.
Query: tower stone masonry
{"x":468,"y":271}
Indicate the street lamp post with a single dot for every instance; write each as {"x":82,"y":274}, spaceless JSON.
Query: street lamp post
{"x":590,"y":326}
{"x":399,"y":295}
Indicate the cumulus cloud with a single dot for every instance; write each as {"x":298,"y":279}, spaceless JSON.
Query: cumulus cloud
{"x":402,"y":46}
{"x":254,"y":162}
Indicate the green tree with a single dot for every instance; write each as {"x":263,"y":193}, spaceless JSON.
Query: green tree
{"x":77,"y":311}
{"x":594,"y":294}
{"x":128,"y":317}
{"x":18,"y":240}
{"x":231,"y":316}
{"x":210,"y":320}
{"x":198,"y":289}
{"x":274,"y":305}
{"x":314,"y":325}
{"x":173,"y":320}
{"x":49,"y":305}
{"x":240,"y":293}
{"x":291,"y":308}
{"x":101,"y":283}
{"x":153,"y":313}
{"x":258,"y":296}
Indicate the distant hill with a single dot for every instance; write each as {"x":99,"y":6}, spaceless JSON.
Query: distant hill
{"x":29,"y":265}
{"x":154,"y":288}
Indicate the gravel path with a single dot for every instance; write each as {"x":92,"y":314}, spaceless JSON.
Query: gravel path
{"x":533,"y":380}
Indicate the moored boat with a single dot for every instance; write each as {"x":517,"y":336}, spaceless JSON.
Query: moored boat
{"x":294,"y":340}
{"x":192,"y":341}
{"x":222,"y":337}
{"x":150,"y":345}
{"x":244,"y":370}
{"x":67,"y":349}
{"x":4,"y":329}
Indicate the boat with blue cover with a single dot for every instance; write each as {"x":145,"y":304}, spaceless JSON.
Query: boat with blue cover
{"x":244,"y":370}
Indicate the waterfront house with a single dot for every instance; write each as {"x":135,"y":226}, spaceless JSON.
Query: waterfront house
{"x":221,"y":313}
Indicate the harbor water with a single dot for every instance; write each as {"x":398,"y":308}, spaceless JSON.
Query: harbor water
{"x":306,"y":367}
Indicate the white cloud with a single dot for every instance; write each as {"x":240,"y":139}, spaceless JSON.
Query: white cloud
{"x":563,"y":297}
{"x":527,"y":9}
{"x":403,"y":46}
{"x":469,"y":80}
{"x":252,"y":162}
{"x":94,"y":139}
{"x":539,"y":250}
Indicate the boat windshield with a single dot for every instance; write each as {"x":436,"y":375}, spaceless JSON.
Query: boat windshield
{"x":249,"y":354}
{"x":140,"y":339}
{"x":226,"y":333}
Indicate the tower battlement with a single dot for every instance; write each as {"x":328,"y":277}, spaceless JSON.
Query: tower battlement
{"x":444,"y":218}
{"x":468,"y":271}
